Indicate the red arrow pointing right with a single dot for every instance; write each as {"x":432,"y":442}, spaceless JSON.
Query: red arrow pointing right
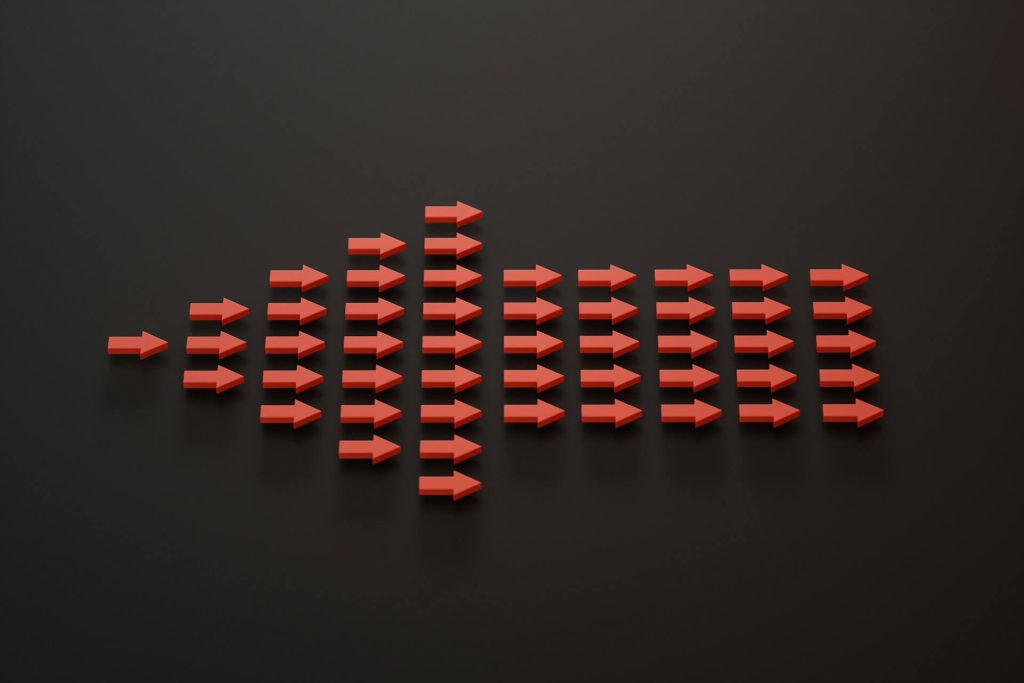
{"x":539,"y":278}
{"x":378,"y":379}
{"x":382,"y":247}
{"x":859,"y":412}
{"x":298,"y":380}
{"x":143,"y":346}
{"x":227,"y":311}
{"x":457,"y":379}
{"x":688,"y":277}
{"x":764,"y":277}
{"x":613,"y":278}
{"x":693,"y":310}
{"x":538,"y":344}
{"x":379,"y":344}
{"x":773,"y":378}
{"x":299,"y":345}
{"x":460,"y":311}
{"x":457,"y":486}
{"x":302,"y":311}
{"x":697,"y":413}
{"x":378,"y":413}
{"x":539,"y":379}
{"x":855,"y":378}
{"x":459,"y":246}
{"x":845,"y":277}
{"x":297,"y":414}
{"x":376,"y":450}
{"x":618,"y":413}
{"x":616,"y":311}
{"x":539,"y":311}
{"x":694,"y":343}
{"x":460,"y":214}
{"x":305,"y":279}
{"x":457,"y":344}
{"x":617,"y":378}
{"x":456,"y":414}
{"x":776,"y":412}
{"x":851,"y":343}
{"x":695,"y":378}
{"x":382,"y":311}
{"x":615,"y":344}
{"x":768,"y":310}
{"x":381,"y":278}
{"x":769,"y":343}
{"x":540,"y":413}
{"x":223,"y":345}
{"x":848,"y":309}
{"x":460,"y":278}
{"x":455,"y":449}
{"x":220,"y":379}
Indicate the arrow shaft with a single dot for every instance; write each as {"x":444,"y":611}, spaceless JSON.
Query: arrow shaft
{"x":437,"y":486}
{"x":676,"y":379}
{"x":757,"y":412}
{"x":440,"y":214}
{"x":521,"y":379}
{"x":363,"y":278}
{"x":597,"y":412}
{"x":596,"y":310}
{"x":438,"y":379}
{"x":202,"y":345}
{"x":443,"y":449}
{"x":753,"y":378}
{"x":839,"y":412}
{"x":833,"y":343}
{"x":277,"y":414}
{"x":200,"y":379}
{"x":205,"y":311}
{"x":744,"y":277}
{"x":678,"y":412}
{"x":286,"y":278}
{"x":751,"y":343}
{"x":520,"y":278}
{"x":442,"y":344}
{"x":675,"y":343}
{"x":749,"y":310}
{"x":827,"y":277}
{"x":524,"y":413}
{"x":595,"y":278}
{"x":124,"y":345}
{"x":596,"y":344}
{"x":839,"y":378}
{"x":520,"y":344}
{"x":356,"y":449}
{"x":597,"y":379}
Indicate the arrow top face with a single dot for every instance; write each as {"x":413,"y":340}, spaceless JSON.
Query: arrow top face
{"x":227,"y":311}
{"x":381,"y":247}
{"x":844,"y":276}
{"x":305,"y":279}
{"x":689,"y":277}
{"x":460,"y":214}
{"x":220,"y":379}
{"x":457,"y":486}
{"x":143,"y":346}
{"x":539,"y":278}
{"x":382,"y":278}
{"x":859,"y":412}
{"x":764,"y":277}
{"x":613,"y":278}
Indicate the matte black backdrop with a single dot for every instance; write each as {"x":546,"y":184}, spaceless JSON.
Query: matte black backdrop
{"x":161,"y":153}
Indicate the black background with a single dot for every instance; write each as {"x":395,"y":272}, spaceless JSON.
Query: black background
{"x":156,"y":154}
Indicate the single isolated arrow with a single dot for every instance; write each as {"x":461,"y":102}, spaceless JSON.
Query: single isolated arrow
{"x":306,"y":279}
{"x":537,"y":277}
{"x":382,"y":311}
{"x":538,"y":344}
{"x":378,"y":413}
{"x":612,"y":277}
{"x":225,"y":312}
{"x":297,"y":380}
{"x":616,"y":378}
{"x":618,"y":413}
{"x":694,"y":343}
{"x":777,"y":413}
{"x":459,"y":246}
{"x":852,"y":343}
{"x":848,"y":309}
{"x":460,"y":278}
{"x":456,"y":414}
{"x":379,"y":344}
{"x":614,"y":310}
{"x":381,"y":247}
{"x":859,"y":412}
{"x":540,"y":413}
{"x":772,"y":378}
{"x":768,"y":343}
{"x":222,"y":346}
{"x":379,"y":379}
{"x":303,"y":311}
{"x":844,"y":276}
{"x":539,"y":311}
{"x":457,"y":486}
{"x":220,"y":379}
{"x":694,"y":378}
{"x":458,"y":379}
{"x":299,"y":345}
{"x":697,"y":413}
{"x":768,"y":310}
{"x":455,"y":449}
{"x":855,"y":377}
{"x":378,"y":449}
{"x":381,"y":278}
{"x":460,"y":214}
{"x":457,"y":344}
{"x":615,"y":343}
{"x":459,"y":310}
{"x":689,"y":277}
{"x":764,"y":277}
{"x":539,"y":379}
{"x":693,"y":310}
{"x":143,"y":346}
{"x":297,"y":414}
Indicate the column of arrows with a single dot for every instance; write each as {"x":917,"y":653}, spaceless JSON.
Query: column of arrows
{"x":452,"y":377}
{"x":695,"y":378}
{"x":849,"y":344}
{"x":376,"y":379}
{"x":610,"y":346}
{"x":223,"y":345}
{"x":298,"y":378}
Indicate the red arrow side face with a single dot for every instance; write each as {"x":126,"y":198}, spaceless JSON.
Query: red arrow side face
{"x":460,"y":311}
{"x":540,"y":311}
{"x":457,"y":414}
{"x":379,"y":379}
{"x":850,"y":343}
{"x":539,"y":379}
{"x":225,"y":312}
{"x":379,"y":345}
{"x":222,"y":346}
{"x":617,"y":378}
{"x":848,"y":309}
{"x":220,"y":379}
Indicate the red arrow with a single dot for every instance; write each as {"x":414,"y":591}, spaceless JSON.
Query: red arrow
{"x":220,"y":379}
{"x":457,"y":344}
{"x":860,"y":412}
{"x":460,"y":214}
{"x":776,"y":412}
{"x":614,"y":310}
{"x":616,"y":378}
{"x":615,"y":343}
{"x":769,"y":343}
{"x":538,"y":344}
{"x":223,"y":345}
{"x":851,"y":343}
{"x":538,"y":277}
{"x":457,"y":414}
{"x":460,"y":278}
{"x":694,"y":343}
{"x":381,"y":278}
{"x":540,"y":413}
{"x":455,"y":449}
{"x":227,"y":311}
{"x":379,"y":344}
{"x":688,"y":277}
{"x":459,"y":246}
{"x":697,"y":413}
{"x":460,"y":311}
{"x":378,"y":413}
{"x":539,"y":379}
{"x":855,"y":377}
{"x":613,"y":278}
{"x":764,"y":277}
{"x":695,"y":378}
{"x":540,"y":311}
{"x":298,"y":380}
{"x":299,"y":345}
{"x":143,"y":346}
{"x":772,"y":377}
{"x":458,"y":379}
{"x":848,"y":309}
{"x":305,"y":279}
{"x":457,"y":486}
{"x":768,"y":310}
{"x":845,"y":277}
{"x":297,"y":414}
{"x":382,"y":311}
{"x":382,"y":246}
{"x":619,"y":413}
{"x":377,"y":449}
{"x":378,"y":379}
{"x":693,"y":310}
{"x":303,"y":311}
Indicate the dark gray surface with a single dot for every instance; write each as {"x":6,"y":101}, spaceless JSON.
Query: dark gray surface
{"x":159,"y":155}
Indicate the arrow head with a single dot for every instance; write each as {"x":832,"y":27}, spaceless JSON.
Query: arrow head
{"x":227,"y":379}
{"x":771,"y":277}
{"x":859,"y":343}
{"x":776,"y":343}
{"x":623,"y":378}
{"x":306,"y":344}
{"x":463,"y":486}
{"x":704,"y":413}
{"x":619,"y":277}
{"x":702,"y":378}
{"x":866,"y":412}
{"x":466,"y":214}
{"x":464,"y":378}
{"x":862,"y":377}
{"x":311,"y":277}
{"x":774,"y":310}
{"x":303,"y":414}
{"x":465,"y":310}
{"x":547,"y":413}
{"x":779,"y":378}
{"x":547,"y":378}
{"x":150,"y":345}
{"x":231,"y":311}
{"x":547,"y":344}
{"x":382,"y":449}
{"x":625,"y":413}
{"x":464,"y":449}
{"x":852,"y":277}
{"x":700,"y":344}
{"x":306,"y":379}
{"x":546,"y":277}
{"x":783,"y":413}
{"x":309,"y":311}
{"x":855,"y":310}
{"x":621,"y":310}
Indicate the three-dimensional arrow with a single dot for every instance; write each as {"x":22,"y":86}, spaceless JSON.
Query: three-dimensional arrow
{"x":378,"y":449}
{"x":459,"y":246}
{"x":689,"y":277}
{"x":222,"y":346}
{"x":298,"y":380}
{"x":615,"y":343}
{"x":380,"y":278}
{"x":611,"y":277}
{"x":768,"y":343}
{"x":457,"y":486}
{"x":457,"y":379}
{"x":379,"y":379}
{"x":460,"y":311}
{"x":694,"y":343}
{"x":618,"y":413}
{"x":382,"y":247}
{"x":764,"y":277}
{"x":844,"y":276}
{"x":694,"y":378}
{"x":852,"y":343}
{"x":859,"y":412}
{"x":848,"y":309}
{"x":456,"y":413}
{"x":143,"y":345}
{"x":297,"y":414}
{"x":306,"y":279}
{"x":539,"y":311}
{"x":772,"y":377}
{"x":225,"y":312}
{"x":539,"y":379}
{"x":381,"y":311}
{"x":455,"y":449}
{"x":379,"y":344}
{"x":538,"y":344}
{"x":303,"y":311}
{"x":538,"y":277}
{"x":460,"y":214}
{"x":378,"y":413}
{"x":614,"y":310}
{"x":540,"y":413}
{"x":460,"y":278}
{"x":697,"y":413}
{"x":692,"y":310}
{"x":457,"y":344}
{"x":616,"y":378}
{"x":777,"y":413}
{"x":768,"y":310}
{"x":220,"y":379}
{"x":299,"y":345}
{"x":855,"y":377}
